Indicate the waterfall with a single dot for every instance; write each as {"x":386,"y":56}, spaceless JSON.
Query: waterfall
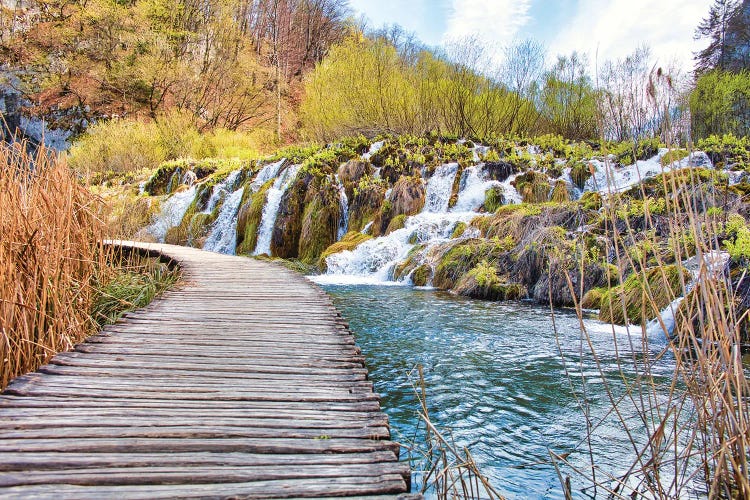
{"x":510,"y":192}
{"x":373,"y":261}
{"x":266,"y":173}
{"x":473,"y":187}
{"x":271,"y":209}
{"x":223,"y":235}
{"x":374,"y":148}
{"x":439,"y":188}
{"x":172,"y":212}
{"x":344,"y":209}
{"x":221,"y":189}
{"x":609,"y":178}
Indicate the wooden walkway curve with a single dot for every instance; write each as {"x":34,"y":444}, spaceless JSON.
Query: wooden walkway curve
{"x":243,"y":382}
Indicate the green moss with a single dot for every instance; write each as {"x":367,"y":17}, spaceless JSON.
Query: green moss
{"x":459,"y":230}
{"x":560,"y":193}
{"x":580,"y":172}
{"x":483,"y":282}
{"x":494,"y":198}
{"x":673,"y":155}
{"x":249,"y":218}
{"x":629,"y":302}
{"x":593,"y":298}
{"x":421,"y":275}
{"x":464,"y":256}
{"x":591,"y":200}
{"x":534,"y":187}
{"x":320,"y":220}
{"x":350,"y":241}
{"x":398,"y":222}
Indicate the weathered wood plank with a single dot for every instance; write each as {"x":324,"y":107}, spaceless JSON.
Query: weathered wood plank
{"x":244,"y":381}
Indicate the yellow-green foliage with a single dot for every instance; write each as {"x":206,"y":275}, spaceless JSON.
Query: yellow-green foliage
{"x":738,"y":234}
{"x":364,"y":85}
{"x":639,"y":208}
{"x":719,"y":104}
{"x":673,"y":155}
{"x":642,"y":297}
{"x":493,"y":198}
{"x":591,"y":200}
{"x":119,"y":146}
{"x":350,"y":241}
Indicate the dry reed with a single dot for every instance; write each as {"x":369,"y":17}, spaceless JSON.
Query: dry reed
{"x":50,"y":252}
{"x":690,"y":433}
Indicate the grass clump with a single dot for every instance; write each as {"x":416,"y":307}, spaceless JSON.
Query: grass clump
{"x":627,"y":303}
{"x":130,"y":283}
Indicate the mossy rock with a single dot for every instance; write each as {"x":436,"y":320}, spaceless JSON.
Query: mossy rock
{"x":534,"y":187}
{"x":365,"y":204}
{"x":494,"y":198}
{"x":350,"y":241}
{"x":249,"y":218}
{"x":421,"y":275}
{"x":593,"y":298}
{"x":499,"y":170}
{"x":179,"y":234}
{"x":168,"y":176}
{"x":398,"y":222}
{"x":464,"y":256}
{"x":351,"y":173}
{"x":455,"y":188}
{"x":662,"y":284}
{"x":407,"y":198}
{"x":198,"y":229}
{"x":459,"y":230}
{"x":580,"y":173}
{"x":483,"y":282}
{"x":320,"y":220}
{"x":591,"y":200}
{"x":288,"y":227}
{"x":561,"y":192}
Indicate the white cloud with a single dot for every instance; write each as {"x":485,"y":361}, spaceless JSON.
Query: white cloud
{"x":617,"y":27}
{"x":495,"y":22}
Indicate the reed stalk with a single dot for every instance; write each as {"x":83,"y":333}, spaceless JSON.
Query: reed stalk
{"x":50,"y":251}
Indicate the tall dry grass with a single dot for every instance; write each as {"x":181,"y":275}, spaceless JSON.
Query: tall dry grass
{"x":689,"y":433}
{"x":50,"y":252}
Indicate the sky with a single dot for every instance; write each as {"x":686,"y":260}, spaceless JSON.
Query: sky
{"x":602,"y":29}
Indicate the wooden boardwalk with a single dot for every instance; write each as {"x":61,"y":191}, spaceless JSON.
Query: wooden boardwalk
{"x":243,"y":382}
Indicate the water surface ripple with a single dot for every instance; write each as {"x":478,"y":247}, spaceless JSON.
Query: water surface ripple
{"x":495,"y":378}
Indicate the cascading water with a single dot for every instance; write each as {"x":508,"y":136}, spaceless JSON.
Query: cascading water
{"x":172,"y":212}
{"x":439,"y":188}
{"x":473,"y":188}
{"x":344,"y":209}
{"x":271,"y":209}
{"x":223,"y":235}
{"x":372,"y":262}
{"x":608,"y":178}
{"x":221,"y":190}
{"x":266,"y":173}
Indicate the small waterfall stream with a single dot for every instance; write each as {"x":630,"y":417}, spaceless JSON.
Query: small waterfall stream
{"x":223,"y":235}
{"x":271,"y":209}
{"x":344,"y":209}
{"x":439,"y":188}
{"x":221,"y":189}
{"x":172,"y":212}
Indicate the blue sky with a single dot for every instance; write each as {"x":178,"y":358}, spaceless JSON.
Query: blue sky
{"x":603,"y":29}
